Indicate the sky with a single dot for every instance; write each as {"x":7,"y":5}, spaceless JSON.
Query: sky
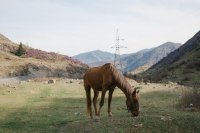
{"x":71,"y":27}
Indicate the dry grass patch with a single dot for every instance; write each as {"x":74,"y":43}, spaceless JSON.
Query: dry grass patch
{"x":190,"y":98}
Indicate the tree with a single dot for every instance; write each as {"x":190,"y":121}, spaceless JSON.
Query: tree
{"x":20,"y":51}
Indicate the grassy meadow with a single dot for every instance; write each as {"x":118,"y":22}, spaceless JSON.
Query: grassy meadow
{"x":61,"y":107}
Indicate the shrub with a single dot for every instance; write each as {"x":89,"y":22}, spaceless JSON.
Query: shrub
{"x":186,"y":79}
{"x":187,"y":71}
{"x":163,"y":74}
{"x":193,"y":64}
{"x":20,"y":51}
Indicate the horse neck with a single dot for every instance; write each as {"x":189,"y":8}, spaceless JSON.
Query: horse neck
{"x":125,"y":88}
{"x":122,"y":83}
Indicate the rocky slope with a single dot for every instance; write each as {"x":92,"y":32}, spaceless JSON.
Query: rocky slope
{"x":37,"y":63}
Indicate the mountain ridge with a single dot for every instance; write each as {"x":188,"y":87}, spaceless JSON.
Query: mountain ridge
{"x":181,"y":65}
{"x":145,"y":57}
{"x":150,"y":56}
{"x":95,"y":57}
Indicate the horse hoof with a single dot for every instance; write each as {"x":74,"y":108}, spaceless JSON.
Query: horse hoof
{"x":110,"y":114}
{"x":97,"y":118}
{"x":90,"y":117}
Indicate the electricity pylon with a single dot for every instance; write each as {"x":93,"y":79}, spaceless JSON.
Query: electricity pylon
{"x":117,"y":59}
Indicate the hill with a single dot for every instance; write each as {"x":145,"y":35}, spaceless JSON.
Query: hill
{"x":36,"y":63}
{"x":148,"y":57}
{"x":182,"y":65}
{"x":95,"y":58}
{"x":7,"y":45}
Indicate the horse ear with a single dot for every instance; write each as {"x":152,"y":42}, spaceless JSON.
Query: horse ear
{"x":134,"y":92}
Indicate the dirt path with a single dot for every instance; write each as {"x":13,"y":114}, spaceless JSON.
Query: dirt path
{"x":14,"y":80}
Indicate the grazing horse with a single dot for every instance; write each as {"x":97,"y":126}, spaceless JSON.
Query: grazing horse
{"x":104,"y":78}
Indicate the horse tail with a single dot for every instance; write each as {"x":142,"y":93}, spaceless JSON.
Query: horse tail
{"x":85,"y":82}
{"x":84,"y":78}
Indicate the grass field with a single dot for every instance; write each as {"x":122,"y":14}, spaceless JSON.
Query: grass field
{"x":61,"y":107}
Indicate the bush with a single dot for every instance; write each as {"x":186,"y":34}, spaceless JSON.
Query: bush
{"x":20,"y":51}
{"x":188,"y":71}
{"x":186,"y":79}
{"x":193,"y":64}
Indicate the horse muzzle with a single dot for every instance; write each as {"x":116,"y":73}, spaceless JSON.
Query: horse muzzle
{"x":135,"y":113}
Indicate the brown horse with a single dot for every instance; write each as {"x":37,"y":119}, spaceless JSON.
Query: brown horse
{"x":104,"y":78}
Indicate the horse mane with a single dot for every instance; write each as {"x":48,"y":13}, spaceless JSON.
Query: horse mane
{"x":122,"y":83}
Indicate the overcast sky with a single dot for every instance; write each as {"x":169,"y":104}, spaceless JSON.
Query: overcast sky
{"x":75,"y":26}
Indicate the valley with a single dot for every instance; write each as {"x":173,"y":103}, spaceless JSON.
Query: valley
{"x":61,"y":107}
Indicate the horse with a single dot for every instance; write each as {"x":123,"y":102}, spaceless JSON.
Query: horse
{"x":106,"y":78}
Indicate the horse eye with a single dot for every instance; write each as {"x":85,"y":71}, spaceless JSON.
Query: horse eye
{"x":135,"y":104}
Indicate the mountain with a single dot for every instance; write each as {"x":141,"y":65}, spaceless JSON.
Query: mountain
{"x":182,"y":65}
{"x":144,"y":58}
{"x":36,"y":63}
{"x":95,"y":58}
{"x":148,"y":57}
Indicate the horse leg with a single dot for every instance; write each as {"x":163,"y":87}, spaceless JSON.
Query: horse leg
{"x":102,"y":100}
{"x":88,"y":96}
{"x":109,"y":101}
{"x":96,"y":94}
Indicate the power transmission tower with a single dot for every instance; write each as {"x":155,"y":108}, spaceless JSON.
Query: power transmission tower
{"x":117,"y":59}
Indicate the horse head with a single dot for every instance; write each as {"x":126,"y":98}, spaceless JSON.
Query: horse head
{"x":133,"y":103}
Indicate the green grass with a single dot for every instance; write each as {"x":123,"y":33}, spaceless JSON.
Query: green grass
{"x":60,"y":107}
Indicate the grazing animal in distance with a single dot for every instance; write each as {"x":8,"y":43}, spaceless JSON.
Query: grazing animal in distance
{"x":106,"y":78}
